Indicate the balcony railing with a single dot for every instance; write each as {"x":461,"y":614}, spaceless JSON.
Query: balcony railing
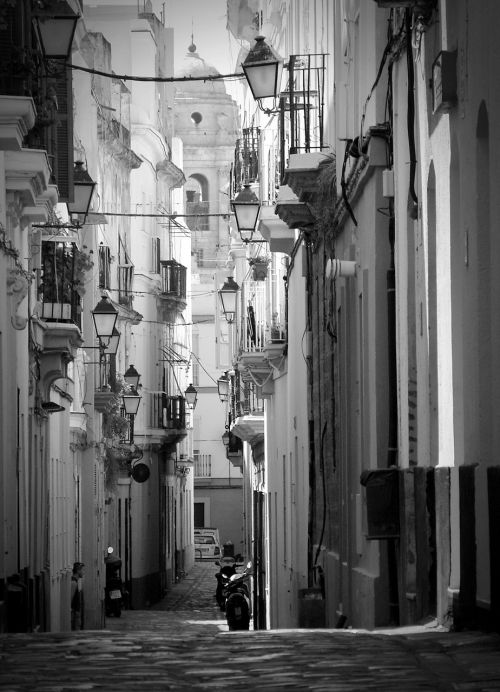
{"x":168,"y":412}
{"x":261,"y":319}
{"x":246,"y":159}
{"x":60,"y":277}
{"x":125,"y":278}
{"x":201,"y":222}
{"x":23,"y":72}
{"x":301,"y":108}
{"x":244,"y":397}
{"x":173,"y":279}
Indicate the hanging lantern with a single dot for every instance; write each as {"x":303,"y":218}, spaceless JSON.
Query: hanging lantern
{"x":263,"y":68}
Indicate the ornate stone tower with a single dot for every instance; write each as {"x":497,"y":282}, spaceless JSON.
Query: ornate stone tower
{"x":207,"y":121}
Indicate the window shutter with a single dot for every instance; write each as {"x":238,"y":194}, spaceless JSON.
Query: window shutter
{"x":63,"y":162}
{"x":15,"y":34}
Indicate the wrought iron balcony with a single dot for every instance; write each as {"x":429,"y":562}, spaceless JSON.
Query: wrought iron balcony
{"x":246,"y":159}
{"x":172,"y":296}
{"x":23,"y":73}
{"x":301,"y":108}
{"x":245,"y":397}
{"x":259,"y":327}
{"x":168,"y":413}
{"x":61,"y":282}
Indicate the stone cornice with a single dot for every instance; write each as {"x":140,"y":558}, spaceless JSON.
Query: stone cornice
{"x":27,"y":172}
{"x":17,"y":117}
{"x":170,"y":173}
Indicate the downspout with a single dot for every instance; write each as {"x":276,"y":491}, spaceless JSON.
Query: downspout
{"x":392,"y":442}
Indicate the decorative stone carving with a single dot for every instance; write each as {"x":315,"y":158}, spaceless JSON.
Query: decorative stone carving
{"x":17,"y":289}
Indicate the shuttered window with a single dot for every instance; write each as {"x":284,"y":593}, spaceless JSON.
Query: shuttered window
{"x":104,"y":266}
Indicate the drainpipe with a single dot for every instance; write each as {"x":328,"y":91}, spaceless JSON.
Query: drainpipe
{"x":392,"y":445}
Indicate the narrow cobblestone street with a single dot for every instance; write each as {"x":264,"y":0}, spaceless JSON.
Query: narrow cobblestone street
{"x":183,"y":643}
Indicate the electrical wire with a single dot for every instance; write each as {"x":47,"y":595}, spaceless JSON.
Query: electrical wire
{"x":135,"y":78}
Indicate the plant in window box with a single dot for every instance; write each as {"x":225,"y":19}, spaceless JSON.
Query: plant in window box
{"x":259,"y":267}
{"x":63,"y":279}
{"x":83,"y":263}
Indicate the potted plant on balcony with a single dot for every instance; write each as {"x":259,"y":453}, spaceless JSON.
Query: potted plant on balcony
{"x":63,"y":282}
{"x":259,"y":267}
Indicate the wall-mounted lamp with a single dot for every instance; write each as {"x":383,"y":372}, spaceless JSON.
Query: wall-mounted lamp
{"x":225,"y":438}
{"x":131,"y":402}
{"x":223,"y":386}
{"x":246,"y":207}
{"x":132,"y":377}
{"x":105,"y":316}
{"x":112,"y":346}
{"x":227,"y":295}
{"x":263,"y":68}
{"x":191,"y":396}
{"x":55,"y":23}
{"x":84,"y":189}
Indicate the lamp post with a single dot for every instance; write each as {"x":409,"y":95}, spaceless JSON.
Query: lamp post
{"x":191,"y":396}
{"x":227,"y":295}
{"x":55,"y":25}
{"x":246,"y":207}
{"x":263,"y":68}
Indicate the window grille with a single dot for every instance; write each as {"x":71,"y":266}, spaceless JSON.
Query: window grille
{"x":173,"y":277}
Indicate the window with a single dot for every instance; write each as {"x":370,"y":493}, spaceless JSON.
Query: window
{"x":104,"y":266}
{"x":202,"y":464}
{"x":155,"y":255}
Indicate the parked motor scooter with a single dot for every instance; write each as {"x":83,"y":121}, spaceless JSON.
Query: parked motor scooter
{"x":113,"y":593}
{"x":237,"y":595}
{"x":227,"y":569}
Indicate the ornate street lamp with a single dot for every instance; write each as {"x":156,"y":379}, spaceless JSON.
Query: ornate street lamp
{"x":112,"y":346}
{"x":227,"y":295}
{"x":55,"y":24}
{"x":223,"y":387}
{"x":263,"y":68}
{"x":246,"y":207}
{"x":105,"y":316}
{"x":191,"y":396}
{"x":131,"y":402}
{"x":132,"y":377}
{"x":84,"y":189}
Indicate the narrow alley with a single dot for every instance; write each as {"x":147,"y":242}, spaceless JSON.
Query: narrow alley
{"x":184,"y":643}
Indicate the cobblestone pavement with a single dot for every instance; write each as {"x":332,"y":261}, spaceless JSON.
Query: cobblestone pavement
{"x":182,"y":643}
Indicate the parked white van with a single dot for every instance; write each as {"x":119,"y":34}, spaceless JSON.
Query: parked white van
{"x":206,"y":543}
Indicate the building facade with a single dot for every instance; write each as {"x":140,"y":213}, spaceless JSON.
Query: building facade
{"x":388,"y":219}
{"x":87,"y":474}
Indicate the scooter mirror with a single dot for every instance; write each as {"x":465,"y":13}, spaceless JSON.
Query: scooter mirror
{"x":249,"y":564}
